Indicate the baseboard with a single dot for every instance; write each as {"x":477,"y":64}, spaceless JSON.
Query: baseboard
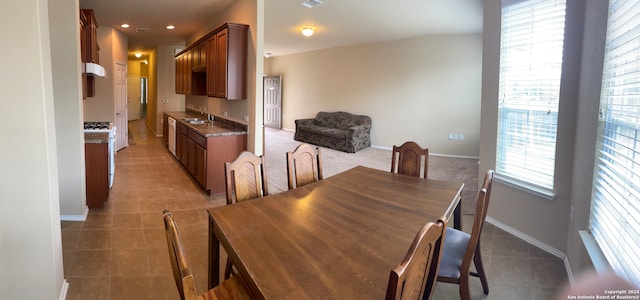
{"x":454,"y":156}
{"x":531,"y":240}
{"x":432,"y":154}
{"x":63,"y":290}
{"x":81,"y":218}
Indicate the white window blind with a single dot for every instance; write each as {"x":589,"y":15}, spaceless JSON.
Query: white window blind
{"x":615,"y":203}
{"x":531,"y":47}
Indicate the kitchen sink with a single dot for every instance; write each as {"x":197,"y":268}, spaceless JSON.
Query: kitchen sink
{"x":195,"y":120}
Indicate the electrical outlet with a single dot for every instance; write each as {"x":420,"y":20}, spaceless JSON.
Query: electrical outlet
{"x":246,"y":118}
{"x":225,"y":113}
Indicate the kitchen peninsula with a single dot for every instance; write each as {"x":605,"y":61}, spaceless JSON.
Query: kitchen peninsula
{"x":202,"y":146}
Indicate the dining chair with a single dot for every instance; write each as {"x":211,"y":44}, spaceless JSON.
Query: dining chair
{"x":414,"y":278}
{"x":245,"y":178}
{"x":406,"y":159}
{"x":461,"y":248}
{"x":304,"y":165}
{"x":233,"y":288}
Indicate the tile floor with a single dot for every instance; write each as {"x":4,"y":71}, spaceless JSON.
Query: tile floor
{"x":120,"y":252}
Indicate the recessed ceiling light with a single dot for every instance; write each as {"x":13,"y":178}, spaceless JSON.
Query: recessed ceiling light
{"x":138,"y":54}
{"x":311,"y":3}
{"x":170,"y":27}
{"x":125,"y":25}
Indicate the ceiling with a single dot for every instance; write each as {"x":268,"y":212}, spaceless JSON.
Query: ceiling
{"x":336,"y":22}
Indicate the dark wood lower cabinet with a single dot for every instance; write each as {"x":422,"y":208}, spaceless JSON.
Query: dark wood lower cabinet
{"x":200,"y":165}
{"x":97,"y":174}
{"x":204,"y":157}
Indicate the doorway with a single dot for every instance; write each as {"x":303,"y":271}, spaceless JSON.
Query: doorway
{"x":272,"y":95}
{"x":136,"y":97}
{"x":133,"y":97}
{"x":143,"y":97}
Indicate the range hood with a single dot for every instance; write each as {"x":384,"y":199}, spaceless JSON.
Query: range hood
{"x":94,"y":69}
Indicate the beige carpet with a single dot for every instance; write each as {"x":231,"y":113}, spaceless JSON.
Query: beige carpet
{"x":278,"y":142}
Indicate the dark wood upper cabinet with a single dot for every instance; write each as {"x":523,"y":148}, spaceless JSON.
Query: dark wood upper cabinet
{"x":90,"y":32}
{"x":219,"y":63}
{"x":89,"y":49}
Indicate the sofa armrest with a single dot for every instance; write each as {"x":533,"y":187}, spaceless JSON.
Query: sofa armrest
{"x":304,"y":122}
{"x":358,"y":131}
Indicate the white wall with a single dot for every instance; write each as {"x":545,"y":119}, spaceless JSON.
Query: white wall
{"x":31,"y":244}
{"x":418,"y":89}
{"x":113,"y":47}
{"x":67,"y":89}
{"x":166,"y":78}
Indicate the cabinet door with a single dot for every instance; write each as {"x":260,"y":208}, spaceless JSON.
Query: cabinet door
{"x":97,"y":174}
{"x":211,"y":66}
{"x":187,"y":73}
{"x":181,"y":136}
{"x":220,"y":77}
{"x":178,"y":84}
{"x":200,"y":165}
{"x":190,"y":161}
{"x":184,"y":157}
{"x":202,"y":49}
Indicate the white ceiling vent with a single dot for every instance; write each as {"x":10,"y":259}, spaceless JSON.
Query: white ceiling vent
{"x":311,"y":3}
{"x":139,"y":29}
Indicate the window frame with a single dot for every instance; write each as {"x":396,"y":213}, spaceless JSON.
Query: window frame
{"x":514,"y":177}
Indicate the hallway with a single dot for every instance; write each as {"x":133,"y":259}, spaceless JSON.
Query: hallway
{"x":120,"y":251}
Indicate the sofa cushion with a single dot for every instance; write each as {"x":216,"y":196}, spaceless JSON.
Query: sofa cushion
{"x":327,"y":119}
{"x":324,"y":131}
{"x":346,"y":120}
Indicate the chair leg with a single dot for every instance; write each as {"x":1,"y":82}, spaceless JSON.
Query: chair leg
{"x":477,"y":261}
{"x":228,"y":269}
{"x":463,"y":287}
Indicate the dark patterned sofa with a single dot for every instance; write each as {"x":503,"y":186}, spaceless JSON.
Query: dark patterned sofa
{"x":337,"y":130}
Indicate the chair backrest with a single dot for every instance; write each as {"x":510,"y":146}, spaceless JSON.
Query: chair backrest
{"x":488,"y":182}
{"x":245,"y":178}
{"x":478,"y":222}
{"x":416,"y":275}
{"x":407,"y":159}
{"x":304,"y":165}
{"x":181,"y":271}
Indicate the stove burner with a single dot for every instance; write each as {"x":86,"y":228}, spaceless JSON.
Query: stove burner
{"x":96,"y":125}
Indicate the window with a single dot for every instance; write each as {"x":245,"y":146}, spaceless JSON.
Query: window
{"x":531,"y":48}
{"x":615,"y":203}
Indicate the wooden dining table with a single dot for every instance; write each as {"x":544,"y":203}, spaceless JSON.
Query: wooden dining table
{"x":337,"y":238}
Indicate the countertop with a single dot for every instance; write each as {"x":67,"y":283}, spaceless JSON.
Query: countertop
{"x":213,"y":128}
{"x":96,"y":137}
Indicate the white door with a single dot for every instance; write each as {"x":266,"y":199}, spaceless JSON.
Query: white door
{"x":272,"y":102}
{"x":120,"y":100}
{"x":133,"y":97}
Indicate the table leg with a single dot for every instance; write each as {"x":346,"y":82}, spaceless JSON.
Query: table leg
{"x":457,"y":216}
{"x":214,"y":258}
